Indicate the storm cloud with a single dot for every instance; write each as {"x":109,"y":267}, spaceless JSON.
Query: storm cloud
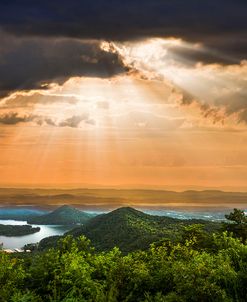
{"x":31,"y":63}
{"x":221,"y":24}
{"x":50,"y":42}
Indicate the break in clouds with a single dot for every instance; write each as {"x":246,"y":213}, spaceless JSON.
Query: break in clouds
{"x":219,"y":91}
{"x":44,"y":44}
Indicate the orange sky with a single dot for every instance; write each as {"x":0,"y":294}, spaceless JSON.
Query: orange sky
{"x":129,"y":130}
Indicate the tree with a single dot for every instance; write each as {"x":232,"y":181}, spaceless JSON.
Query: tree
{"x":237,"y":224}
{"x":237,"y":216}
{"x":196,"y":236}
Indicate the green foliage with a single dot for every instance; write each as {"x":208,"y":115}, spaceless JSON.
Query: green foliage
{"x":169,"y":271}
{"x":12,"y":276}
{"x":17,"y":230}
{"x":196,"y":235}
{"x":64,"y":215}
{"x":185,"y":262}
{"x":130,"y":229}
{"x":237,"y":224}
{"x":25,"y":297}
{"x":237,"y":216}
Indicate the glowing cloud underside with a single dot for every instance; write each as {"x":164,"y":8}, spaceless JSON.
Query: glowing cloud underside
{"x":166,"y":121}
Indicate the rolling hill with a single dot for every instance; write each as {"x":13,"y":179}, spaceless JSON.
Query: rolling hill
{"x":64,"y":215}
{"x":130,"y":229}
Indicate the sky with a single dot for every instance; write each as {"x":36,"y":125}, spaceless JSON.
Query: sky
{"x":147,"y":94}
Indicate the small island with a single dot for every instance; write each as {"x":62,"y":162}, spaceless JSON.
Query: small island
{"x":17,"y":230}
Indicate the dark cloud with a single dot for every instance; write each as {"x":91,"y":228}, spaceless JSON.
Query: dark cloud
{"x":233,"y":103}
{"x":221,"y":24}
{"x":50,"y":41}
{"x":73,"y":121}
{"x":13,"y":118}
{"x":48,"y":121}
{"x":27,"y":63}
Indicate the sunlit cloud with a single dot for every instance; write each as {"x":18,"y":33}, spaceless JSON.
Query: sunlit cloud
{"x":167,"y":118}
{"x":219,"y":90}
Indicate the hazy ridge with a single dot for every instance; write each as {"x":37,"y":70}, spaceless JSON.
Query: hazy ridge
{"x":114,"y":198}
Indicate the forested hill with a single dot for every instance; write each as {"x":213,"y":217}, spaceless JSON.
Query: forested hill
{"x":64,"y":215}
{"x":196,"y":266}
{"x":17,"y":230}
{"x":130,"y":229}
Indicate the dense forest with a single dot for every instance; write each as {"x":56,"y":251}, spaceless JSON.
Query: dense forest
{"x":198,"y":265}
{"x":130,"y":229}
{"x":17,"y":230}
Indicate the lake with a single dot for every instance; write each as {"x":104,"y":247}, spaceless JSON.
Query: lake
{"x":20,"y":241}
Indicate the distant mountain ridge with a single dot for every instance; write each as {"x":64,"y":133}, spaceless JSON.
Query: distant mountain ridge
{"x":21,"y":214}
{"x":64,"y":215}
{"x":107,"y":198}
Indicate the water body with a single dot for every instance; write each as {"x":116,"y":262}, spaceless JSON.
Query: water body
{"x":20,"y":241}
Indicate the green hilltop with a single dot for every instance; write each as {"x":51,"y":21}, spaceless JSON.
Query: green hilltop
{"x":130,"y":229}
{"x":64,"y":215}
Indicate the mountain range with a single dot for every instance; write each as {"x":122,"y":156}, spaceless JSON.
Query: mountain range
{"x":105,"y":199}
